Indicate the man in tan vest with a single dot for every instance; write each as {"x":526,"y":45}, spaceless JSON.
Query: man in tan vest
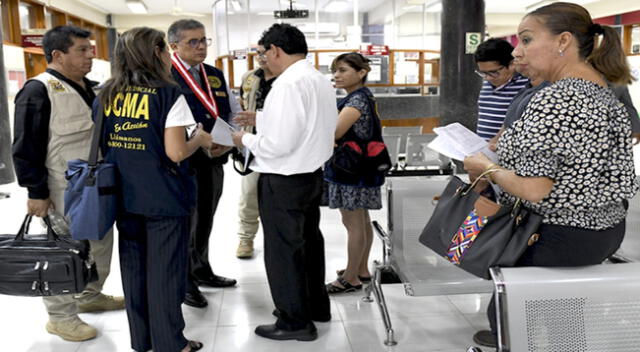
{"x":52,"y":126}
{"x":256,"y":84}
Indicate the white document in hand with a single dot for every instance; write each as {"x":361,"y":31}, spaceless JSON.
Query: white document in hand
{"x":444,"y":147}
{"x":221,"y":133}
{"x":457,"y":142}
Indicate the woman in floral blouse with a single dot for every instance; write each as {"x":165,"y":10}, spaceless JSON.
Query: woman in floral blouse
{"x":569,"y":158}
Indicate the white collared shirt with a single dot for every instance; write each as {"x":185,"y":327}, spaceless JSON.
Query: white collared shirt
{"x":297,"y":125}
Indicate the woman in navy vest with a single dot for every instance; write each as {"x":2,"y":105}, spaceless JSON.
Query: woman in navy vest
{"x":354,"y":196}
{"x":145,"y":135}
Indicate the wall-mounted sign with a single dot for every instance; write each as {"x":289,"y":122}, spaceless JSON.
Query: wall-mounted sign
{"x":375,"y":75}
{"x":32,"y":40}
{"x":471,"y":42}
{"x":375,"y":50}
{"x":240,"y":54}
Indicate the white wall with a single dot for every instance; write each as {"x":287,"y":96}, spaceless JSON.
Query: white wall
{"x":80,"y":9}
{"x":238,"y":38}
{"x":162,"y":22}
{"x":634,"y":89}
{"x":13,"y":61}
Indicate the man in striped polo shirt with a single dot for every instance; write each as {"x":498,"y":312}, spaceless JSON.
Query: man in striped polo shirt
{"x":501,"y":83}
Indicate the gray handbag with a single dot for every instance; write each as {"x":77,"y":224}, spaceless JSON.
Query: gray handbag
{"x":475,"y":233}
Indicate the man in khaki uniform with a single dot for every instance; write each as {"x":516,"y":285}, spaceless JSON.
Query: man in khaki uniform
{"x":52,"y":126}
{"x":255,"y":87}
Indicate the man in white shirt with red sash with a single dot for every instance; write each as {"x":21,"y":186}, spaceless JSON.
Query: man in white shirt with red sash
{"x":209,"y":98}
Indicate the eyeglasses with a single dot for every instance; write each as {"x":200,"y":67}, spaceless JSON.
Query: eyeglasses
{"x":492,"y":73}
{"x":262,"y":54}
{"x":194,"y":43}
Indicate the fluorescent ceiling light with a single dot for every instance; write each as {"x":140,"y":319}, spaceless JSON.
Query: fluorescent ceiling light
{"x":538,"y":4}
{"x":437,"y":7}
{"x":236,"y":5}
{"x":434,"y":6}
{"x":336,"y":6}
{"x":136,"y":6}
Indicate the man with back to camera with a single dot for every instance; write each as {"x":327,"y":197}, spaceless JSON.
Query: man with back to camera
{"x":256,"y":85}
{"x":295,"y":136}
{"x":501,"y":83}
{"x":209,"y":97}
{"x":52,"y":126}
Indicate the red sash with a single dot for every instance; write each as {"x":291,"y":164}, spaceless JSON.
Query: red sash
{"x":206,"y":99}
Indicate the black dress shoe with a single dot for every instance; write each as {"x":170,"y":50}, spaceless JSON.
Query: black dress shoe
{"x":485,"y":338}
{"x":271,"y":331}
{"x":216,"y":281}
{"x":195,"y":299}
{"x":319,"y":319}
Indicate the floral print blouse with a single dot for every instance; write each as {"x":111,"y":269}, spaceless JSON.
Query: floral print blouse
{"x":578,"y":134}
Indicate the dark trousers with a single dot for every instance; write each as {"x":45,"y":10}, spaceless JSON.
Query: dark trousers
{"x":294,"y":246}
{"x":153,"y":262}
{"x":210,"y":178}
{"x":564,"y":246}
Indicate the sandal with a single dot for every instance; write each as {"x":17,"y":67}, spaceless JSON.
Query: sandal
{"x":346,"y":286}
{"x":194,"y":346}
{"x":363,"y":279}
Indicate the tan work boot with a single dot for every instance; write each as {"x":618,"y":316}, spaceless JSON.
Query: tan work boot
{"x":101,"y":303}
{"x":245,"y":249}
{"x":72,"y":329}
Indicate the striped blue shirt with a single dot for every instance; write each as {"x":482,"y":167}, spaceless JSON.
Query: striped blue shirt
{"x":493,"y":103}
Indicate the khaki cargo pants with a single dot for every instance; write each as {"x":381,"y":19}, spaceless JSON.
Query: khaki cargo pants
{"x":65,"y":307}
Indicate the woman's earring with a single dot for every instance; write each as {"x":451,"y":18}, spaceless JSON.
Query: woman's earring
{"x":560,"y":52}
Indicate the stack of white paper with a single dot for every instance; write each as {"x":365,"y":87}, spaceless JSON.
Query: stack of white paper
{"x":458,"y":142}
{"x":221,"y":133}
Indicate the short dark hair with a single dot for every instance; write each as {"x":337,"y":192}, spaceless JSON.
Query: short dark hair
{"x":494,"y":50}
{"x":175,"y":29}
{"x":287,"y":37}
{"x":61,"y":38}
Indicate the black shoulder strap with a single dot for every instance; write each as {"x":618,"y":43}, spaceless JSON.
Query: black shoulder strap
{"x":97,"y":133}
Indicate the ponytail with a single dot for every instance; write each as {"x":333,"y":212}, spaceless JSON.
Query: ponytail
{"x":609,"y":59}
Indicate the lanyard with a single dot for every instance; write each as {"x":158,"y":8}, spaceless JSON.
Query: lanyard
{"x":206,"y":99}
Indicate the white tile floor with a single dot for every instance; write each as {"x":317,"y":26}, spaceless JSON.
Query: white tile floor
{"x":422,"y":323}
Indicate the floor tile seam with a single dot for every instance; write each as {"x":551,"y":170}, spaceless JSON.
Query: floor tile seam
{"x":218,"y":310}
{"x":378,"y":316}
{"x":459,"y":310}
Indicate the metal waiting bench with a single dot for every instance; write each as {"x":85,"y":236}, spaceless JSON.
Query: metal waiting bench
{"x":423,"y":273}
{"x":533,"y":293}
{"x":403,"y":132}
{"x":417,"y":159}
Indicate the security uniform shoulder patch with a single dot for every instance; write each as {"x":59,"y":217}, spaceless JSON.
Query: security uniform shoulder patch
{"x":56,"y":86}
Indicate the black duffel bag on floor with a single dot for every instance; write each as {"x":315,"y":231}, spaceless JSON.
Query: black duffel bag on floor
{"x":44,"y":265}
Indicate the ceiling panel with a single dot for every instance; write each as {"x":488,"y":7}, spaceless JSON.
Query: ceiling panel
{"x":599,"y":8}
{"x":156,"y":7}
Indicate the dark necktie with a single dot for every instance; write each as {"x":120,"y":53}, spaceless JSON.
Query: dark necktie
{"x":196,"y":75}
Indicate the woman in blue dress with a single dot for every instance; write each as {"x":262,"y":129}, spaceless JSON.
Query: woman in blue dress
{"x":357,"y":121}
